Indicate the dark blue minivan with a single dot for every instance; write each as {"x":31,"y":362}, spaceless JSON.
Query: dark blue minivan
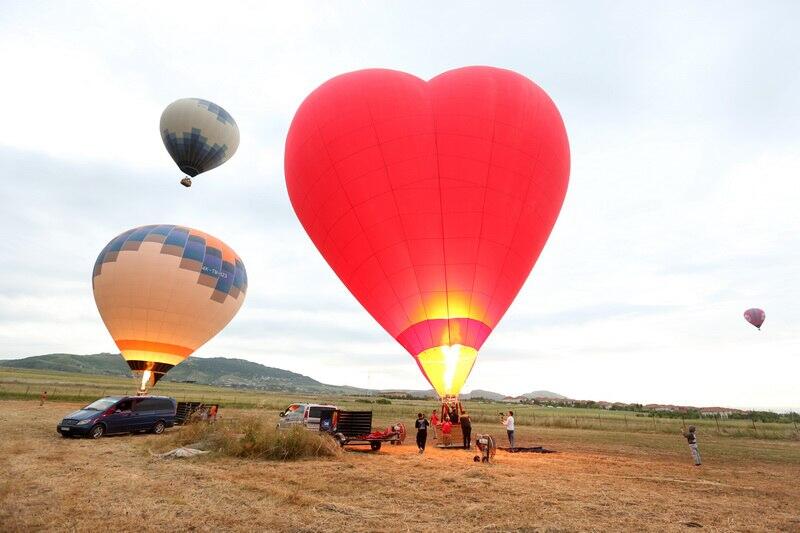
{"x":120,"y":414}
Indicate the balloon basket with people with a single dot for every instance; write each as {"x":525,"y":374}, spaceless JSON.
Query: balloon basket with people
{"x":452,"y":425}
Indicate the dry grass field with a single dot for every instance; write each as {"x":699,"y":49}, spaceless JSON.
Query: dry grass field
{"x":599,"y":481}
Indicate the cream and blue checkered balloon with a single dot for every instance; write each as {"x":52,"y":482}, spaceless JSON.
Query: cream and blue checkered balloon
{"x":198,"y":134}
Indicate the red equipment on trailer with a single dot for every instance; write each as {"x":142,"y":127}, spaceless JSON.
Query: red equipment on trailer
{"x":354,"y":428}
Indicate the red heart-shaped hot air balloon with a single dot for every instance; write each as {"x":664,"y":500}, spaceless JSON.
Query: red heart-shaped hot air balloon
{"x":430,"y":200}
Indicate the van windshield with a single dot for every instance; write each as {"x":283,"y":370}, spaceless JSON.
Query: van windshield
{"x":101,"y":405}
{"x":291,"y":409}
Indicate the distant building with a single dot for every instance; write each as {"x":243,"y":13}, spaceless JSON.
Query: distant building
{"x":661,"y":408}
{"x":720,"y":412}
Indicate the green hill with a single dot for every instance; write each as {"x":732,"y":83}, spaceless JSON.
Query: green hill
{"x":218,"y":371}
{"x":223,"y":372}
{"x":101,"y":363}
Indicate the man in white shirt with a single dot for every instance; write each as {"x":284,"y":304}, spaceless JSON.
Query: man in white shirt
{"x":508,"y":422}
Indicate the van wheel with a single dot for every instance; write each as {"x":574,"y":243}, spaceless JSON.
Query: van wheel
{"x":97,"y":431}
{"x":158,"y":429}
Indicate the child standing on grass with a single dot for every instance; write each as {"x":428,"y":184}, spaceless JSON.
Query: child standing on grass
{"x":43,"y":398}
{"x":422,"y":431}
{"x":692,"y":438}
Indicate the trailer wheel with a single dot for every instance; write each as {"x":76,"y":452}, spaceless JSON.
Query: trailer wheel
{"x":341,"y":439}
{"x":375,"y":446}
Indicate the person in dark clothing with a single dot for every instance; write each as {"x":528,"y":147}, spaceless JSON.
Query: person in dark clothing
{"x":691,"y":437}
{"x":422,"y":431}
{"x":454,"y":414}
{"x":466,"y":429}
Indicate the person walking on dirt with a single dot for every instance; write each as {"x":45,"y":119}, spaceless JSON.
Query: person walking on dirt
{"x":466,"y":429}
{"x":508,"y":422}
{"x":692,"y":438}
{"x":43,"y":398}
{"x":434,"y":423}
{"x":422,"y":431}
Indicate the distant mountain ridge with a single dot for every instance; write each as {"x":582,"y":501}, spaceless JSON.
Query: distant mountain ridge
{"x":228,"y":372}
{"x":543,"y":394}
{"x":485,"y":394}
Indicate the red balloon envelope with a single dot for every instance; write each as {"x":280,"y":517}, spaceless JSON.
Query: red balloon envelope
{"x":755,"y":316}
{"x":430,"y":200}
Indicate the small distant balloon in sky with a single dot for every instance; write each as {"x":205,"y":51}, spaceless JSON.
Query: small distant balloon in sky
{"x":755,"y":316}
{"x":199,"y":135}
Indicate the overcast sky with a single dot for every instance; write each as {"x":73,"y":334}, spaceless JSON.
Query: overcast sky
{"x":682,"y":209}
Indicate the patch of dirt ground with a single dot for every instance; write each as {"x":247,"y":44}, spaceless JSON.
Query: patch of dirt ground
{"x":592,"y":484}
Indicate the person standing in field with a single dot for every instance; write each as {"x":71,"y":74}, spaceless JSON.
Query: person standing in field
{"x":447,"y":427}
{"x":466,"y":429}
{"x":422,"y":431}
{"x":434,"y":423}
{"x":508,"y":422}
{"x":43,"y":398}
{"x":691,"y":436}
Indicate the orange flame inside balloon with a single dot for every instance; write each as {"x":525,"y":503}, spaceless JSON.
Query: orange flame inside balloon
{"x":146,"y":377}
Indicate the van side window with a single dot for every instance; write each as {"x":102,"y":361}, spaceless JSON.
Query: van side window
{"x":147,"y":404}
{"x":314,"y":412}
{"x":124,"y":406}
{"x":164,"y":405}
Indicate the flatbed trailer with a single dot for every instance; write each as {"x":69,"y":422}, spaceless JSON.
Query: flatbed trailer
{"x":354,"y":428}
{"x":374,"y":442}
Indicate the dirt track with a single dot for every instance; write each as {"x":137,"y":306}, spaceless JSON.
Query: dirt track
{"x":114,"y":483}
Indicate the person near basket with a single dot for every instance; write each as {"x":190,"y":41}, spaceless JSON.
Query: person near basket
{"x":447,"y":428}
{"x":434,"y":423}
{"x":466,"y":430}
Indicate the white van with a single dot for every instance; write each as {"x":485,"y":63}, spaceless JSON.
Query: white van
{"x":306,"y":415}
